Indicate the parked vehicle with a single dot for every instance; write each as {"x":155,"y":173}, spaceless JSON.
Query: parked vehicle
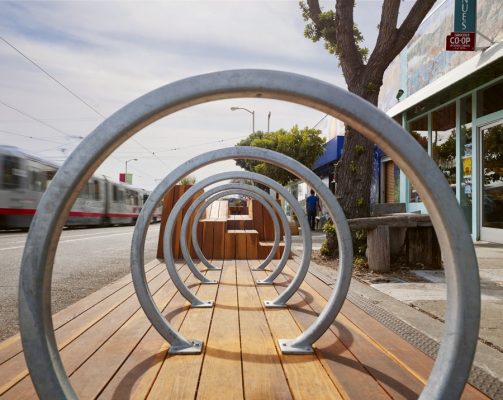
{"x":102,"y":202}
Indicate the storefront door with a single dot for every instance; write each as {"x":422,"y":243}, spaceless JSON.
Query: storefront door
{"x":491,"y":174}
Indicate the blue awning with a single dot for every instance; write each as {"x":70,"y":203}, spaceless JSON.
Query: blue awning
{"x":333,"y":151}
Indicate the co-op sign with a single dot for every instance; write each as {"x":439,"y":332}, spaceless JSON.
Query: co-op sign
{"x":465,"y":19}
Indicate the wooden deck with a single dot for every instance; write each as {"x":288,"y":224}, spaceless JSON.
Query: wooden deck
{"x":110,"y":350}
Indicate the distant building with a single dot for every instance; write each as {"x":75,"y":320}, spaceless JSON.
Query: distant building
{"x":452,"y":103}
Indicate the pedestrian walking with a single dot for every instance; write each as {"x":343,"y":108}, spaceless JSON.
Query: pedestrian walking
{"x":312,"y":207}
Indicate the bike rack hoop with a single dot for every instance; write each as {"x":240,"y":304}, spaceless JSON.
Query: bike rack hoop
{"x":457,"y":348}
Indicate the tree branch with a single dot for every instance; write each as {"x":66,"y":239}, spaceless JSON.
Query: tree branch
{"x":410,"y":24}
{"x":351,"y":59}
{"x":392,"y":40}
{"x":321,"y":25}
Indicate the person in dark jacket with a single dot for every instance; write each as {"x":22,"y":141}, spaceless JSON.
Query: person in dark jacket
{"x":312,"y":207}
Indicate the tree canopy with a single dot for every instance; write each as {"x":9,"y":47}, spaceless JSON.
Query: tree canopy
{"x":363,"y":71}
{"x":304,"y":145}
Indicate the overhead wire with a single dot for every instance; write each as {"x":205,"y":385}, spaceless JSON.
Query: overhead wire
{"x":39,"y":121}
{"x":69,"y":91}
{"x":73,"y":93}
{"x":29,"y":137}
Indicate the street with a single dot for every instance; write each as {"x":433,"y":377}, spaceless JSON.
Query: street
{"x":86,"y":260}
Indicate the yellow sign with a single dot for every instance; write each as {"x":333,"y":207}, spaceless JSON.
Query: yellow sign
{"x":467,"y":166}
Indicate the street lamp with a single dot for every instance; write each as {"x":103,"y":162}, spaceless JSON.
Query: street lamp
{"x":268,"y":121}
{"x":251,"y":112}
{"x":132,"y":159}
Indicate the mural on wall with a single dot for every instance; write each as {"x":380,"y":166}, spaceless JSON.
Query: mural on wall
{"x":427,"y":59}
{"x":391,"y":84}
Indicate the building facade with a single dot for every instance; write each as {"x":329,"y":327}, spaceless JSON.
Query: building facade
{"x":452,"y":103}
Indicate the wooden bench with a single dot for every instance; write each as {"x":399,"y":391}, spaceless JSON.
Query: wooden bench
{"x":394,"y":234}
{"x":111,"y":351}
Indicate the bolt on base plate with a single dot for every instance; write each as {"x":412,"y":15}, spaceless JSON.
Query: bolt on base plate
{"x":286,"y":348}
{"x":272,"y":304}
{"x":196,"y":348}
{"x":204,"y":304}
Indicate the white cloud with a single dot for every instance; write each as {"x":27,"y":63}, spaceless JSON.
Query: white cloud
{"x":110,"y":53}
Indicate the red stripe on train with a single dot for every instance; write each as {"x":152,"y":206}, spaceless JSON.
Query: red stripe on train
{"x":31,"y":211}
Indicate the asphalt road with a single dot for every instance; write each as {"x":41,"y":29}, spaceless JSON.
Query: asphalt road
{"x":86,"y":260}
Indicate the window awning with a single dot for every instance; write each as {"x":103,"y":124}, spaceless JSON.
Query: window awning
{"x":333,"y":151}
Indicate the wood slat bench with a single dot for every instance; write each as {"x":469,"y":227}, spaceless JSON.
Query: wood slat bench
{"x":388,"y":234}
{"x":111,"y":351}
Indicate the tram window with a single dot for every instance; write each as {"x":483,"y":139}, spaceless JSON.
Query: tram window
{"x":132,"y":197}
{"x":12,"y":172}
{"x":115,"y":193}
{"x":97,"y":191}
{"x":90,"y":190}
{"x":118,"y":194}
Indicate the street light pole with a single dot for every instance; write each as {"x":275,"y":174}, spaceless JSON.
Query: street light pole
{"x":250,"y":111}
{"x":125,"y":177}
{"x":268,"y":121}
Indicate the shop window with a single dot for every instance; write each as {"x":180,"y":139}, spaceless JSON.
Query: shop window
{"x":419,"y":130}
{"x":466,"y":157}
{"x":489,"y":99}
{"x":492,"y":166}
{"x":391,"y":178}
{"x":443,"y":142}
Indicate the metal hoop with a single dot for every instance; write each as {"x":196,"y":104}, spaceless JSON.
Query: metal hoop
{"x":218,"y":178}
{"x":265,"y":203}
{"x":252,"y":176}
{"x":457,"y":349}
{"x":170,"y":264}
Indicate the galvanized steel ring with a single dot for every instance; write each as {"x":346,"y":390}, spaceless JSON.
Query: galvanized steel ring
{"x":457,"y":348}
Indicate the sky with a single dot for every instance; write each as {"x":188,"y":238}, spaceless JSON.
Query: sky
{"x":106,"y":54}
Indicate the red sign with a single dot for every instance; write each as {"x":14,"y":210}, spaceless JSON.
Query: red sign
{"x":122,"y":177}
{"x":460,"y":41}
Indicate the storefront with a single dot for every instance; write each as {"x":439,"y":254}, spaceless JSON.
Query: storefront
{"x":452,"y":103}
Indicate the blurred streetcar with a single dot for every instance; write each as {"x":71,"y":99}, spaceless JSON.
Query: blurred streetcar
{"x":102,"y":202}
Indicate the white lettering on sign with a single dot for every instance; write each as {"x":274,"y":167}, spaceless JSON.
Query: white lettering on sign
{"x":464,"y":11}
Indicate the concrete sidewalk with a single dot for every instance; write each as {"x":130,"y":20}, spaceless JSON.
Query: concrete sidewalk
{"x":416,"y":311}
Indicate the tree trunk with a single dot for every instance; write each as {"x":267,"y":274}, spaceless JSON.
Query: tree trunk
{"x":353,"y":174}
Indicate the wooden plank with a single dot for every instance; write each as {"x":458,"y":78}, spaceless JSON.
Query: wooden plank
{"x":207,"y":242}
{"x":398,"y":382}
{"x":167,"y":206}
{"x":405,"y":354}
{"x":399,"y":220}
{"x":349,"y":375}
{"x":142,"y":368}
{"x":240,"y":244}
{"x":268,"y":226}
{"x":306,"y":376}
{"x":378,"y":249}
{"x":177,"y":251}
{"x":179,"y":376}
{"x":263,"y":376}
{"x":199,"y":227}
{"x":258,"y":219}
{"x":222,"y":363}
{"x":218,"y":240}
{"x":12,"y":346}
{"x":251,"y":244}
{"x":91,"y":377}
{"x":229,"y":246}
{"x":14,"y":370}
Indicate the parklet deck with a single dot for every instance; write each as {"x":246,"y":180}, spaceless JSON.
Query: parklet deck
{"x":111,"y":351}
